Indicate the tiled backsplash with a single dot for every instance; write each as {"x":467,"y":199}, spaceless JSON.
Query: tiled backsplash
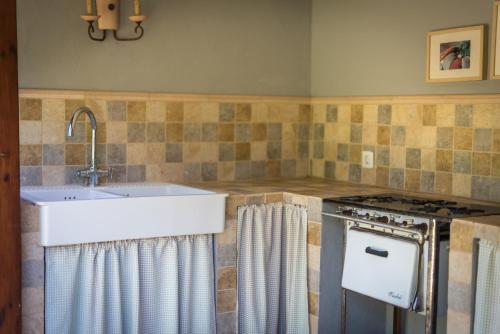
{"x":448,"y":147}
{"x":148,"y":140}
{"x":435,"y":148}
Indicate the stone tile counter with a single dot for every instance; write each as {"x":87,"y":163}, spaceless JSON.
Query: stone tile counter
{"x":308,"y":192}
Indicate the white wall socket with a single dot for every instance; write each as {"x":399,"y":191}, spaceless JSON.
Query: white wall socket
{"x":367,"y":159}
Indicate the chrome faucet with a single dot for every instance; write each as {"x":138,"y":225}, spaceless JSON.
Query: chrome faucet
{"x":92,"y":173}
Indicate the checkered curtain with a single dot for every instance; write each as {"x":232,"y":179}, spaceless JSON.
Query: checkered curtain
{"x":487,"y":316}
{"x":144,"y":286}
{"x":272,"y":269}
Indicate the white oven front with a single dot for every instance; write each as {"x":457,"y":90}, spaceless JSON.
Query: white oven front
{"x":382,"y":267}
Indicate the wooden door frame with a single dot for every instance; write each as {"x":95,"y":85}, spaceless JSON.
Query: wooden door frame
{"x":10,"y":231}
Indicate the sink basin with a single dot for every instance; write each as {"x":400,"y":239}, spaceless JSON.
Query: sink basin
{"x":60,"y":194}
{"x":150,"y":190}
{"x":74,"y":214}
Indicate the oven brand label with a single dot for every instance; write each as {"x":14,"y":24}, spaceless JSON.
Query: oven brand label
{"x":395,"y":295}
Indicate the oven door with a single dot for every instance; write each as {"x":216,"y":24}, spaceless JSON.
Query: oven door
{"x":382,"y":267}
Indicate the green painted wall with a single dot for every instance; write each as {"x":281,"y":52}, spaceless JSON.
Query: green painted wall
{"x":368,"y":47}
{"x":264,"y":47}
{"x":190,"y":46}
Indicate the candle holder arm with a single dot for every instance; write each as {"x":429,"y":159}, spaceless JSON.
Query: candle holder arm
{"x":138,"y":30}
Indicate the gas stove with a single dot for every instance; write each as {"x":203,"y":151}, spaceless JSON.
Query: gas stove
{"x":419,"y":206}
{"x":402,"y":243}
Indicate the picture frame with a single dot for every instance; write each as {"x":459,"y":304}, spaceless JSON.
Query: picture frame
{"x":495,"y":43}
{"x":455,"y":54}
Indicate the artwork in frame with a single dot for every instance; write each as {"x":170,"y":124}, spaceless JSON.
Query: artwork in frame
{"x":455,"y":54}
{"x":495,"y":42}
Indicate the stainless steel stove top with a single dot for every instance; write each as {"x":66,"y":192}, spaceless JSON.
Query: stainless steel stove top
{"x":418,"y":206}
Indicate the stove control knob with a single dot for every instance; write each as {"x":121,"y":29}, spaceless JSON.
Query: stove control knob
{"x":383,"y":219}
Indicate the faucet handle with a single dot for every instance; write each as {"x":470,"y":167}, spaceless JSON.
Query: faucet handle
{"x":109,"y":173}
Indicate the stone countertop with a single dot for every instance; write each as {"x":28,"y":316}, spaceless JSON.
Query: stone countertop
{"x":324,"y":188}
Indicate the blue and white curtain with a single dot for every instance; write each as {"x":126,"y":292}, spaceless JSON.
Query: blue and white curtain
{"x":144,"y":286}
{"x":487,"y":313}
{"x":272,"y":269}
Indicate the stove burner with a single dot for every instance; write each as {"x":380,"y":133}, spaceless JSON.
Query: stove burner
{"x":435,"y":207}
{"x":372,"y":199}
{"x":439,"y":203}
{"x":449,"y":210}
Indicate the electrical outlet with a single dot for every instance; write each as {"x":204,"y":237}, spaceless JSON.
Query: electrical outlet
{"x":367,"y":159}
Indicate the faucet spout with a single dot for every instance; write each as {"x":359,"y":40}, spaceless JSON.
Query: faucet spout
{"x":76,"y":115}
{"x":92,"y":173}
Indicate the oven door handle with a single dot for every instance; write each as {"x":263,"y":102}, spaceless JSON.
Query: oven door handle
{"x":373,"y":251}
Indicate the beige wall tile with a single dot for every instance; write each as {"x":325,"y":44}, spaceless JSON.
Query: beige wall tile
{"x":443,"y":183}
{"x":398,"y":157}
{"x":30,"y":246}
{"x":136,"y":153}
{"x":209,"y":112}
{"x":155,"y":153}
{"x":319,"y":113}
{"x":317,"y":168}
{"x":33,"y":310}
{"x":53,"y":110}
{"x":156,"y":111}
{"x":225,"y":171}
{"x":342,"y":171}
{"x":53,"y":132}
{"x":460,"y":267}
{"x":370,"y":133}
{"x":429,"y":159}
{"x":172,"y":172}
{"x":226,"y":300}
{"x":99,"y":108}
{"x":192,"y":112}
{"x":53,"y":175}
{"x":30,"y":132}
{"x":488,"y":232}
{"x":445,"y":115}
{"x":191,"y":152}
{"x":314,"y":233}
{"x":483,"y":115}
{"x":427,"y":137}
{"x":313,"y":257}
{"x":370,"y":114}
{"x":344,"y":114}
{"x":458,"y":322}
{"x":175,"y":111}
{"x":463,"y":138}
{"x":209,"y":152}
{"x":116,"y":132}
{"x":331,"y":150}
{"x":313,"y":324}
{"x":344,"y":133}
{"x":226,"y":278}
{"x":313,"y":303}
{"x":369,"y":176}
{"x":462,"y":236}
{"x":461,"y":185}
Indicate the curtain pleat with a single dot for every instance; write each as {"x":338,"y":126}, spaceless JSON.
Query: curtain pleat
{"x":143,"y":286}
{"x":272,"y":269}
{"x":487,"y":310}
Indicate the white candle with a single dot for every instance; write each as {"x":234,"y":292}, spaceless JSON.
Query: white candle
{"x":137,"y":7}
{"x":89,"y":7}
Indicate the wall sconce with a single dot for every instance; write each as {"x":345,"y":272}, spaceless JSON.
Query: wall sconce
{"x":108,"y":18}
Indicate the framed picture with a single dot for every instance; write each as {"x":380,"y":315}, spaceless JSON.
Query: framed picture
{"x":495,"y":43}
{"x":455,"y":54}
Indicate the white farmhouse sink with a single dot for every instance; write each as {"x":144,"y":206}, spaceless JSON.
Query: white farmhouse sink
{"x":75,"y":214}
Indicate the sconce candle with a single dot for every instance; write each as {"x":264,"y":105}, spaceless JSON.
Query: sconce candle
{"x":137,"y":7}
{"x":89,"y":7}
